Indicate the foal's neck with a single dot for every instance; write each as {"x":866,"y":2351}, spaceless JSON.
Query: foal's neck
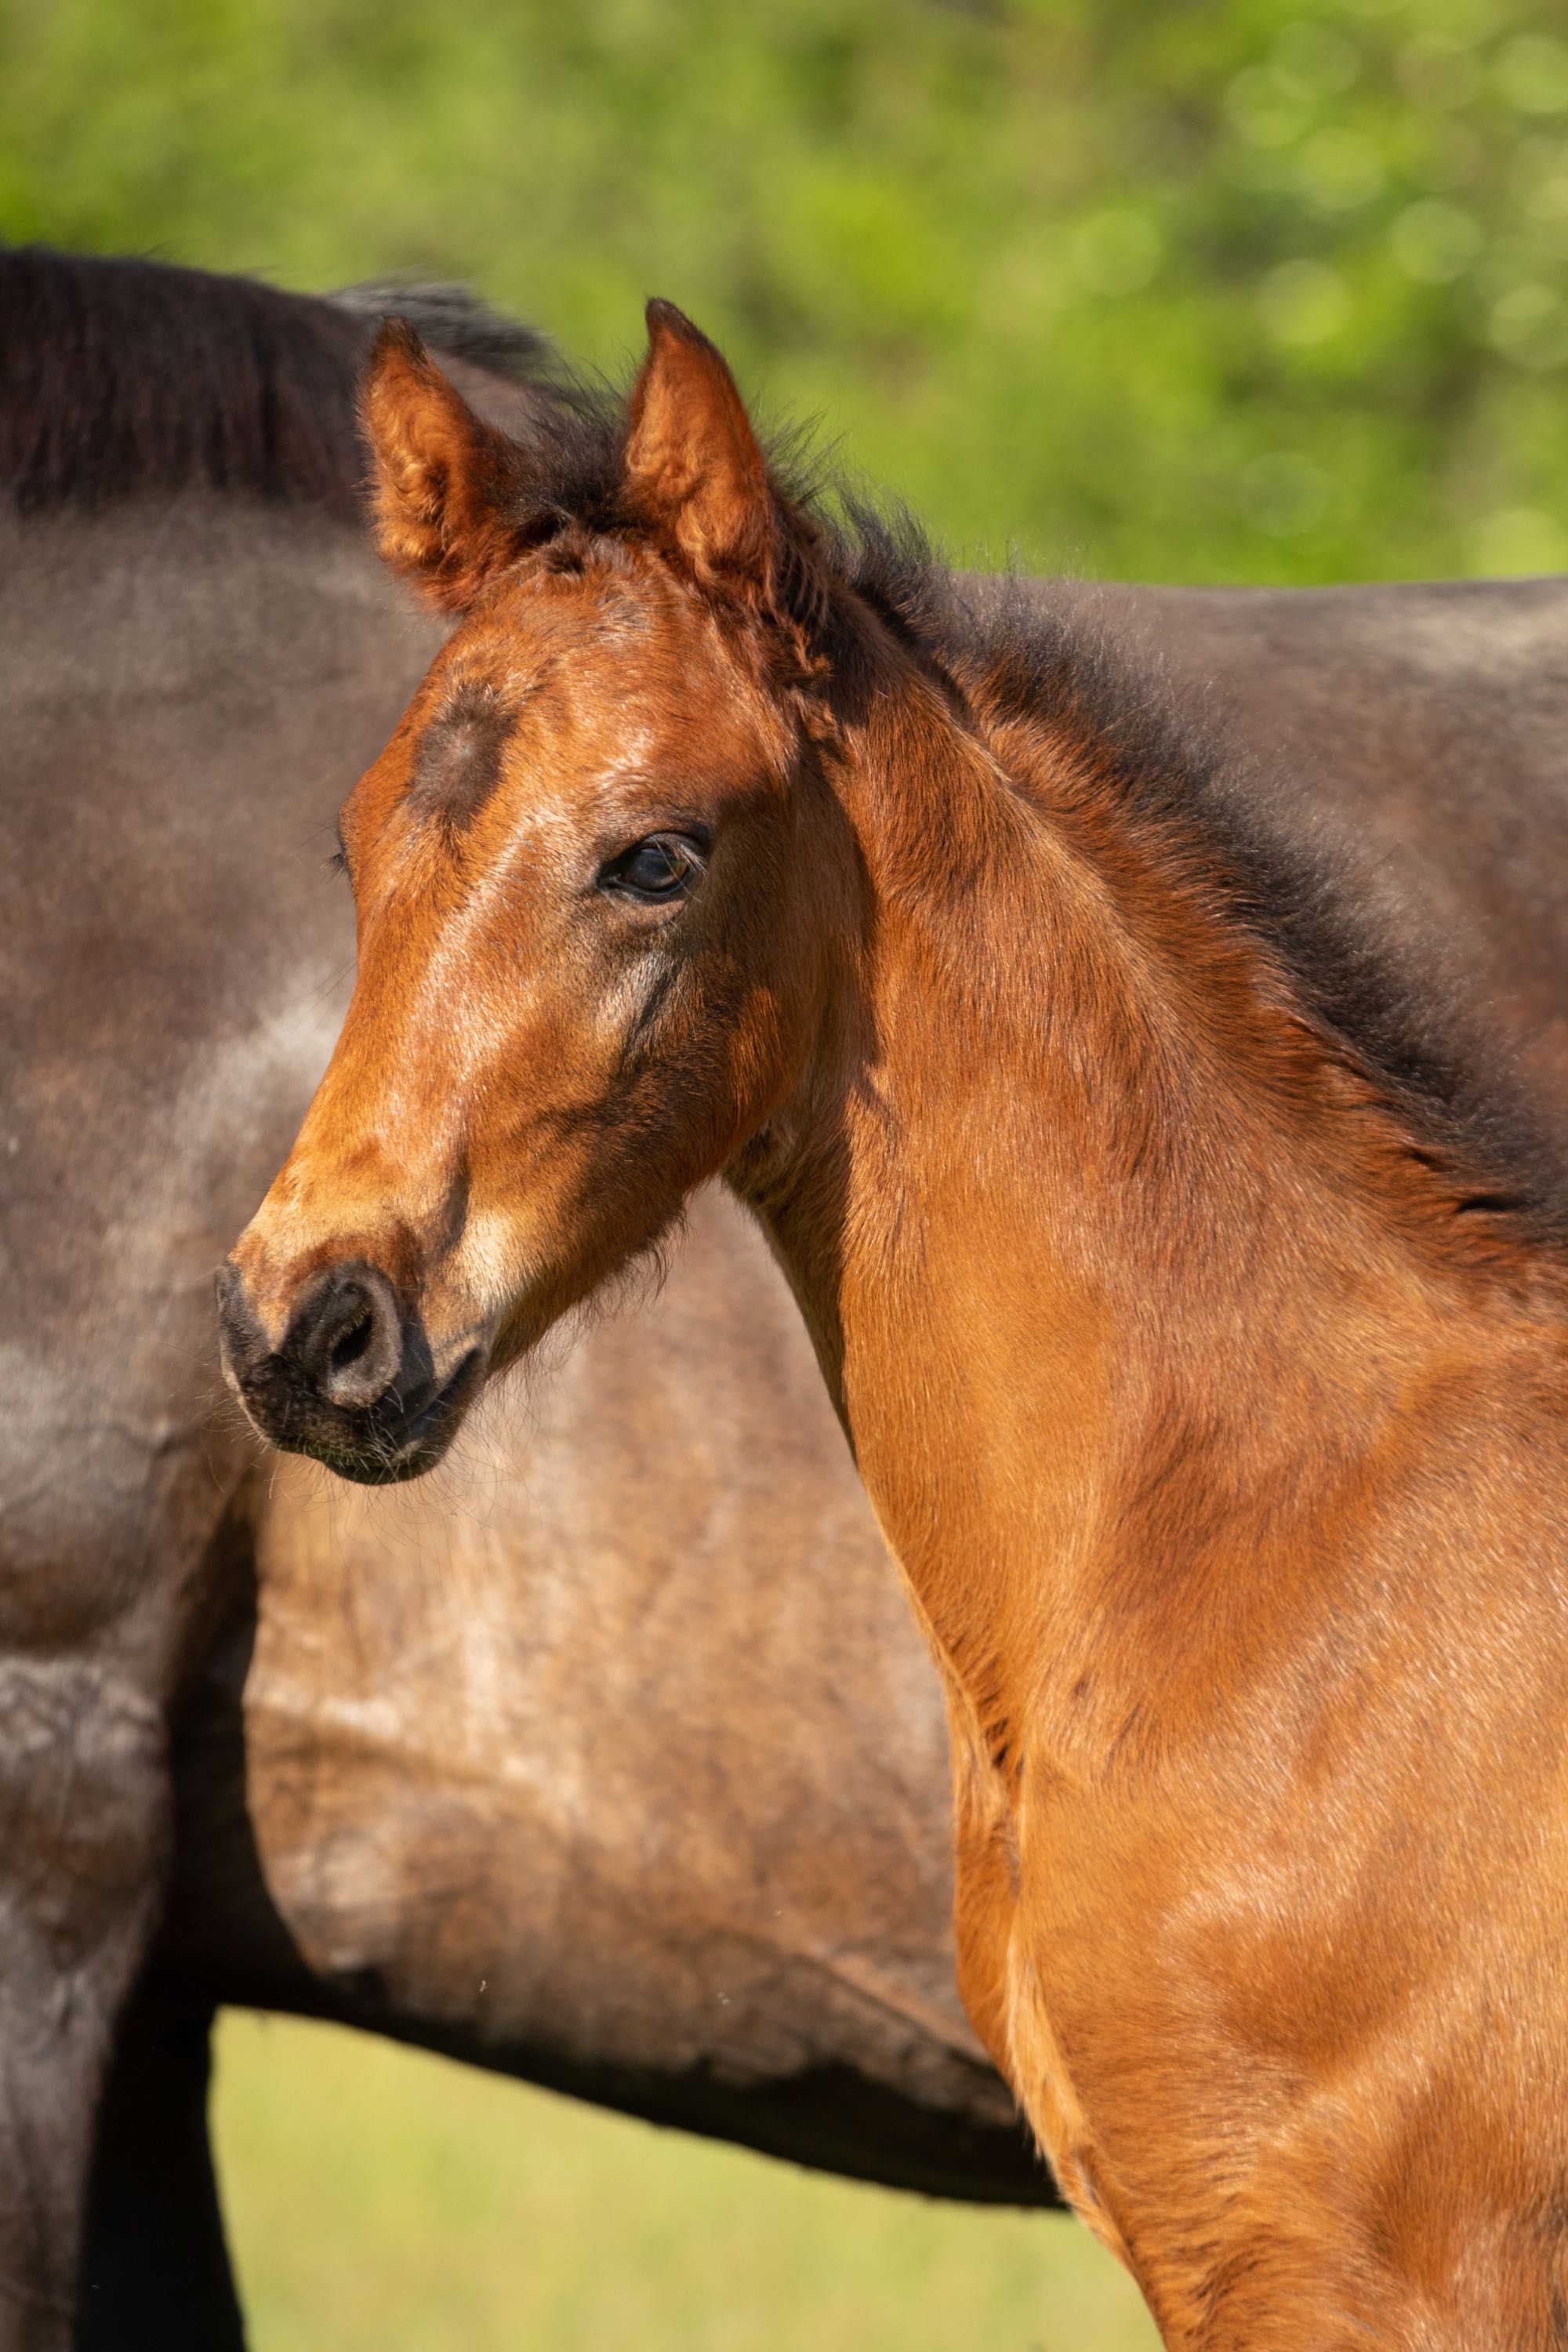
{"x":1126,"y":1276}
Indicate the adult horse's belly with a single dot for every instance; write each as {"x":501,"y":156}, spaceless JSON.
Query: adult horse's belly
{"x":610,"y":1755}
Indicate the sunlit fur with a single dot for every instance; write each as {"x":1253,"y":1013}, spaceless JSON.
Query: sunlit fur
{"x":1208,"y":1386}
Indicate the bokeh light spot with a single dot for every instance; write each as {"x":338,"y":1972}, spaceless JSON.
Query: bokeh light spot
{"x":1303,"y":302}
{"x":1434,"y":242}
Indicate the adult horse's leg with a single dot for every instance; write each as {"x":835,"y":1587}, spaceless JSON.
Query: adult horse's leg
{"x":84,"y":1800}
{"x":81,"y":1802}
{"x":154,"y":2268}
{"x":90,"y":1642}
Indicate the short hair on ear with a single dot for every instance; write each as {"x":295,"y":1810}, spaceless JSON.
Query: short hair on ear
{"x":446,"y":483}
{"x":694,"y":466}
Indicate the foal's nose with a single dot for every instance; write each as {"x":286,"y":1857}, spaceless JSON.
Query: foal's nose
{"x":351,"y":1379}
{"x":345,"y":1342}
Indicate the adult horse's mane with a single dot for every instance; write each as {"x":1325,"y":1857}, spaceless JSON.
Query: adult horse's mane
{"x":120,"y":377}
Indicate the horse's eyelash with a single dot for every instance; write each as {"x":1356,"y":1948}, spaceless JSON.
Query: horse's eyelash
{"x":338,"y":862}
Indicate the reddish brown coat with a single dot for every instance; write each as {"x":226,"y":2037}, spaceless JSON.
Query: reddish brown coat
{"x":1209,"y":1390}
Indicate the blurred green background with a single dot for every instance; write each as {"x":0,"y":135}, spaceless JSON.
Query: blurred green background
{"x":1199,"y":289}
{"x":1187,"y":289}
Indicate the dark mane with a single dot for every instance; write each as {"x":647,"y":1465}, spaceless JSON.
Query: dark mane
{"x":119,"y":376}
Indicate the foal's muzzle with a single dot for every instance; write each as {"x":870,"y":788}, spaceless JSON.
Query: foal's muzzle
{"x":352,"y":1381}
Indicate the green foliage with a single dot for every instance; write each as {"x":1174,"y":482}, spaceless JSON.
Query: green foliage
{"x":382,"y":2202}
{"x":1254,"y":289}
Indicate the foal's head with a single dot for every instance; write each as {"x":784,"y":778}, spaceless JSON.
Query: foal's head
{"x":592,"y":934}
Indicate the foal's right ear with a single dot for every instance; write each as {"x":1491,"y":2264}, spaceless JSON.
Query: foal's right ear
{"x":694,"y":468}
{"x":445,"y":480}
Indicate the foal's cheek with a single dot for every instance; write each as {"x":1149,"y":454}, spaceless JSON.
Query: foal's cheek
{"x":615,"y":1006}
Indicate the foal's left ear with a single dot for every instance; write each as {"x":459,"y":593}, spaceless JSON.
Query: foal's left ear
{"x":445,"y":482}
{"x":693,"y":466}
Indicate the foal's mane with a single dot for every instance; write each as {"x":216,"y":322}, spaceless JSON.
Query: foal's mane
{"x":1197,"y":806}
{"x":124,"y":375}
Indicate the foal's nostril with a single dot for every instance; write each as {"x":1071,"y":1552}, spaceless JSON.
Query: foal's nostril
{"x":348,"y":1348}
{"x":348,"y":1342}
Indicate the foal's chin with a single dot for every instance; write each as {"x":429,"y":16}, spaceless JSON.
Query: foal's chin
{"x":376,"y":1470}
{"x":371,"y":1449}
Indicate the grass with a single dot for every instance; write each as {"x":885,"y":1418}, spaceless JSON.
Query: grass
{"x":381,"y":2200}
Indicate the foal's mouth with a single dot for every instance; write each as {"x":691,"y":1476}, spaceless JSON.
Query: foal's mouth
{"x":391,"y":1453}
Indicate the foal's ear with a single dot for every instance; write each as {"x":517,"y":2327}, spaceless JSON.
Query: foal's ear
{"x":694,"y":468}
{"x":444,"y":479}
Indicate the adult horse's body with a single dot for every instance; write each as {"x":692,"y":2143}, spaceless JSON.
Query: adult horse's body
{"x":1197,"y":1310}
{"x":417,"y":1748}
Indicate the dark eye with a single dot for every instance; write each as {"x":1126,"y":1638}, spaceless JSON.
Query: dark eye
{"x":665,"y":866}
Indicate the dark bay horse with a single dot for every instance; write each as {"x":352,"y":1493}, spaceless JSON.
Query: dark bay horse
{"x":1191,"y":1287}
{"x":384,"y":1786}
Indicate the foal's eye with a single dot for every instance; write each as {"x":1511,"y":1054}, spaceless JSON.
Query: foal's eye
{"x":665,"y":866}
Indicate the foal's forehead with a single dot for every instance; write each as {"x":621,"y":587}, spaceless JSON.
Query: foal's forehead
{"x":583,"y":627}
{"x":585,"y":670}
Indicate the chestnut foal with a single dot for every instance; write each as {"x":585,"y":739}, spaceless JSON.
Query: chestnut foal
{"x":1207,"y":1378}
